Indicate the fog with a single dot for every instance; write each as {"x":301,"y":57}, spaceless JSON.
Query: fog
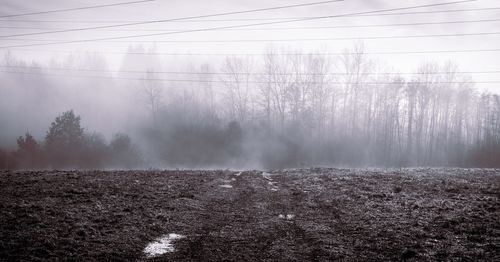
{"x":279,"y":105}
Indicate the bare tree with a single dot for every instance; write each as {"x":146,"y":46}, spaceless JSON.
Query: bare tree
{"x":206,"y":78}
{"x":152,"y":91}
{"x":236,"y":79}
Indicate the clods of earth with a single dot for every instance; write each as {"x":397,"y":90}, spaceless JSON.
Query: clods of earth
{"x":285,"y":215}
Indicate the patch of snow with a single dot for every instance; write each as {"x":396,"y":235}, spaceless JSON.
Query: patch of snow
{"x":267,"y":176}
{"x":287,"y":217}
{"x":161,"y":245}
{"x":226,"y":186}
{"x":238,"y":174}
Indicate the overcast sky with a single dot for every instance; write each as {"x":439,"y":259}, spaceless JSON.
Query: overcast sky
{"x":167,"y":9}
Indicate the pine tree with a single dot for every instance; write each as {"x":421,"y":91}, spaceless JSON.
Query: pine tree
{"x":64,"y":139}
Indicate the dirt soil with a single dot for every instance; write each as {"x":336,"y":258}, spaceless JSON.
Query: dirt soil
{"x":287,"y":215}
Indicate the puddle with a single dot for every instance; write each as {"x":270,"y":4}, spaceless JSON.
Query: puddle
{"x":226,"y":186}
{"x":161,"y":245}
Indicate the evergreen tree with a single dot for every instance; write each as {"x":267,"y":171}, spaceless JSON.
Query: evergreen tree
{"x":64,"y":140}
{"x":28,"y":153}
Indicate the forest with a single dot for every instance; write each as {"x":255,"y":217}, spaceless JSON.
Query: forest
{"x":284,"y":108}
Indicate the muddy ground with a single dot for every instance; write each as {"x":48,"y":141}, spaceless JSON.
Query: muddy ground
{"x":294,"y":215}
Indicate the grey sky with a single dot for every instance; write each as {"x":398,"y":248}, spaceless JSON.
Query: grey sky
{"x":164,"y":9}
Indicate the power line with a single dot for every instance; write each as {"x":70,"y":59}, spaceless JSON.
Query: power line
{"x":238,"y":26}
{"x":276,"y":54}
{"x":439,"y":11}
{"x":312,"y":39}
{"x":75,"y":9}
{"x":278,"y":40}
{"x":277,"y":28}
{"x":221,"y":81}
{"x":239,"y":73}
{"x":183,"y":18}
{"x":255,"y":19}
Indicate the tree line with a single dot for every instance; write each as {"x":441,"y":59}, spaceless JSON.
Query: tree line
{"x":67,"y":145}
{"x":305,"y":109}
{"x":289,"y":108}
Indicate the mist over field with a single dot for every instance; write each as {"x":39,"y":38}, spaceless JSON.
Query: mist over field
{"x":249,"y":130}
{"x":285,"y":108}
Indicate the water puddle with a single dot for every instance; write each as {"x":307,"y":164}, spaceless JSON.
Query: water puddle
{"x":161,"y":245}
